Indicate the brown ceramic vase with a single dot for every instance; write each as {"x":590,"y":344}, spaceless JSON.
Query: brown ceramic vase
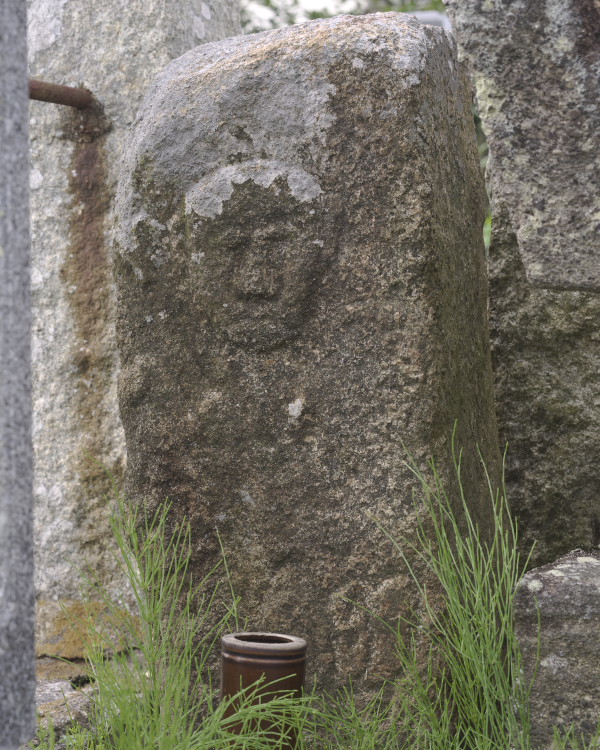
{"x":247,"y":657}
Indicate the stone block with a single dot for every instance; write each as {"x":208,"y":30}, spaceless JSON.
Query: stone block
{"x":536,"y":66}
{"x":113,"y":48}
{"x":64,"y":632}
{"x":564,"y":597}
{"x":17,"y":673}
{"x":546,"y":358}
{"x":62,"y":707}
{"x":301,"y":287}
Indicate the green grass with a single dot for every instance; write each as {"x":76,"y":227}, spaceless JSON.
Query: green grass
{"x":466,"y":692}
{"x":159,"y":693}
{"x":473,"y":696}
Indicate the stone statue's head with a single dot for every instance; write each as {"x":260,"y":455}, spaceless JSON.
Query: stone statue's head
{"x":221,"y":177}
{"x":250,"y":250}
{"x":254,"y":267}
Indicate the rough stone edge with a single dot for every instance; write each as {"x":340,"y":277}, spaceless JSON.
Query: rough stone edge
{"x":17,"y":670}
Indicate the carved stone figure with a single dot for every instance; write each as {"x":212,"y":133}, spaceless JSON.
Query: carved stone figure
{"x":301,"y":287}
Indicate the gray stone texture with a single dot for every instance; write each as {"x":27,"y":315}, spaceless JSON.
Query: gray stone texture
{"x":62,"y":706}
{"x":301,"y":287}
{"x":535,"y":67}
{"x":564,"y":598}
{"x":546,"y":356}
{"x":114,"y":48}
{"x":17,"y":674}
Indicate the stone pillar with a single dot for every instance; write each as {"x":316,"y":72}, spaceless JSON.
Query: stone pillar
{"x":17,"y":675}
{"x":301,"y":287}
{"x":536,"y":66}
{"x":560,"y":603}
{"x":113,"y":48}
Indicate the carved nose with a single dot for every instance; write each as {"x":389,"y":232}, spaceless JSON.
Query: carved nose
{"x":255,"y":281}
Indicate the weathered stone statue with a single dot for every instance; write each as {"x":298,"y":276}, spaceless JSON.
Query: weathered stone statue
{"x":301,"y":287}
{"x":17,"y":665}
{"x":536,"y":67}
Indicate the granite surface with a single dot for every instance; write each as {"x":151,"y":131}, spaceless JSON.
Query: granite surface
{"x":301,"y":288}
{"x":17,"y":677}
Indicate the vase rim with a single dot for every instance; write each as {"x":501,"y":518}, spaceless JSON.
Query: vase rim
{"x":263,"y":643}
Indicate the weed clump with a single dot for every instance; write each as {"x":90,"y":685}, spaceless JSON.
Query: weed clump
{"x":471,"y":695}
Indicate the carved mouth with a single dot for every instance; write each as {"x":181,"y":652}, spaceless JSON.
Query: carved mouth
{"x":257,"y":329}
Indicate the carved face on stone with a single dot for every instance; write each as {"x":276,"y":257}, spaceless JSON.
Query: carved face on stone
{"x":254,"y":267}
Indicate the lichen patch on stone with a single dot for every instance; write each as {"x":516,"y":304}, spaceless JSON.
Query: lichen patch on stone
{"x":535,"y":585}
{"x":207,"y":196}
{"x":295,"y":408}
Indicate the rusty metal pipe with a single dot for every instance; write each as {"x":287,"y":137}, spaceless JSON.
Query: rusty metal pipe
{"x":57,"y":94}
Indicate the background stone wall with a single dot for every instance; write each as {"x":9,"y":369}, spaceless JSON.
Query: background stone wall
{"x":536,"y":68}
{"x":114,"y":49}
